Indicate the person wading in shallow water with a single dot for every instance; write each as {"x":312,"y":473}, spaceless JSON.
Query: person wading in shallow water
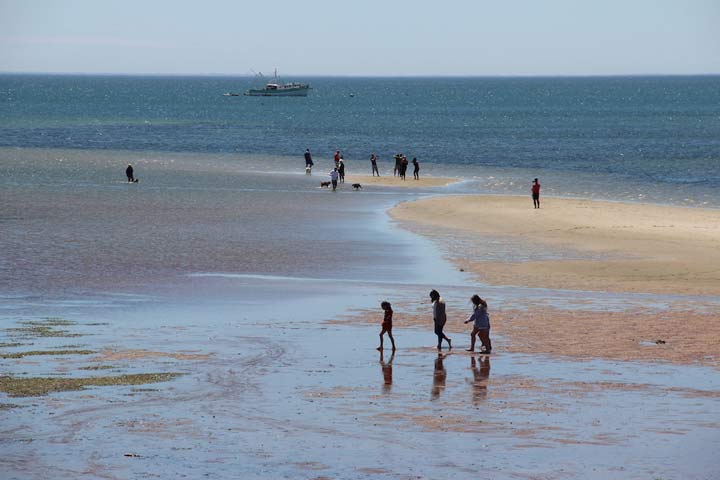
{"x":481,"y":325}
{"x":536,"y":193}
{"x":439,"y":319}
{"x":386,"y":325}
{"x":416,"y":170}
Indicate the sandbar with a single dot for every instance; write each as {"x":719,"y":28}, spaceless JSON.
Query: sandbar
{"x":388,"y":181}
{"x":595,"y":245}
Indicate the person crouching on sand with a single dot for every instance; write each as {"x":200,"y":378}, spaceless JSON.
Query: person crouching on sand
{"x":481,"y":325}
{"x":439,"y":319}
{"x":386,"y":325}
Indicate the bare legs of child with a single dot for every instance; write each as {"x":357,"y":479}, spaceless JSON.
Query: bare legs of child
{"x":392,"y":340}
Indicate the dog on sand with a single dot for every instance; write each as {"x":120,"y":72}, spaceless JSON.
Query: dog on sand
{"x":324,"y":184}
{"x":356,"y":186}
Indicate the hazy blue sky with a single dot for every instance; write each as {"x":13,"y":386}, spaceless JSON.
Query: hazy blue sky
{"x":370,"y":37}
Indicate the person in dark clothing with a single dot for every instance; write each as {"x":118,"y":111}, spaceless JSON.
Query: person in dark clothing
{"x":403,"y":167}
{"x":416,"y":171}
{"x":398,"y":161}
{"x":373,"y":162}
{"x":439,"y":319}
{"x":308,"y":160}
{"x":130,"y":174}
{"x":341,"y":169}
{"x":536,"y":193}
{"x":386,"y":325}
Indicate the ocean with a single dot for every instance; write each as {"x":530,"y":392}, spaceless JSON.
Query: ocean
{"x":651,"y":136}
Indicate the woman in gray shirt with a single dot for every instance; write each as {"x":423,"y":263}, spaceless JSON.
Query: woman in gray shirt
{"x":481,"y":325}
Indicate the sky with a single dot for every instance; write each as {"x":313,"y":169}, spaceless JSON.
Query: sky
{"x":361,"y":38}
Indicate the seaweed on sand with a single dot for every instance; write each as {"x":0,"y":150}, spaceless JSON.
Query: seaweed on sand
{"x":36,"y":386}
{"x":45,"y":352}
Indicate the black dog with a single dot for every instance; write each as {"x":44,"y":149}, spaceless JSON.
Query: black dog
{"x":324,"y":184}
{"x":356,"y":186}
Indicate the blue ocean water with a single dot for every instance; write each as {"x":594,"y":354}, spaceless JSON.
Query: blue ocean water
{"x":653,"y":129}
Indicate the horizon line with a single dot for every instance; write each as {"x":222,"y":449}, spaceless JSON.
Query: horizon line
{"x":315,"y":75}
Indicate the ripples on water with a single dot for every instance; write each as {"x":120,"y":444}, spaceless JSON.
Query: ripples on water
{"x":229,"y":199}
{"x":648,"y":129}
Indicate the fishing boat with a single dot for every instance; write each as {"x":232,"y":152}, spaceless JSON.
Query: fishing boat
{"x":276,"y":89}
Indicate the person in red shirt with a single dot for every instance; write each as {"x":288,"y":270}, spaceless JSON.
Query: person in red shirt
{"x":536,"y":193}
{"x":337,"y":158}
{"x":386,"y":325}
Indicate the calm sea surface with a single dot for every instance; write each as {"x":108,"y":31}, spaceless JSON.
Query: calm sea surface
{"x":222,"y":188}
{"x":664,"y":129}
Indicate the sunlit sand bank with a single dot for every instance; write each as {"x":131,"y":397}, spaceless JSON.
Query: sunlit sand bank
{"x":601,"y":246}
{"x":389,"y":181}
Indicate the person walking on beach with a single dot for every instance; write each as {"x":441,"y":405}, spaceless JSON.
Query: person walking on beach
{"x":373,"y":163}
{"x":439,"y":319}
{"x":536,"y":193}
{"x":337,"y":158}
{"x":129,"y":172}
{"x":481,"y":325}
{"x":308,"y":160}
{"x":416,"y":170}
{"x":398,"y":160}
{"x":386,"y":325}
{"x":341,"y":169}
{"x":334,"y":178}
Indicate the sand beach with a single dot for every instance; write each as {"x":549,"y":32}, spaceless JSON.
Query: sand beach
{"x":391,"y":181}
{"x":594,"y":245}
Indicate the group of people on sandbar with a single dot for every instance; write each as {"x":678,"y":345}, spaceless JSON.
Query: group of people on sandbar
{"x":479,"y":318}
{"x":401,"y":166}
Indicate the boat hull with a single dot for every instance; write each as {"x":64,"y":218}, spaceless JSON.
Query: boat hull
{"x":280,"y":92}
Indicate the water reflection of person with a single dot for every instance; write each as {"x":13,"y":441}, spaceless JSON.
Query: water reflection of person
{"x":439,"y":377}
{"x":386,"y":371}
{"x":480,"y":377}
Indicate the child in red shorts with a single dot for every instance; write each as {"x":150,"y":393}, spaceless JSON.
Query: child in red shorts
{"x":386,"y":325}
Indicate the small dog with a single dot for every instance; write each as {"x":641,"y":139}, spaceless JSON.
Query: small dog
{"x":356,"y":186}
{"x":324,"y":184}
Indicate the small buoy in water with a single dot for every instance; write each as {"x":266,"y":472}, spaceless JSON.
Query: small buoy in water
{"x":352,"y":94}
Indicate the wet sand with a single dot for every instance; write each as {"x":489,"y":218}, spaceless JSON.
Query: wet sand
{"x":678,"y":335}
{"x":237,"y":349}
{"x":390,"y":181}
{"x":277,"y":391}
{"x":589,"y":245}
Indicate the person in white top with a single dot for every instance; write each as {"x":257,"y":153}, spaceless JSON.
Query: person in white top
{"x":439,"y":319}
{"x":334,"y":175}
